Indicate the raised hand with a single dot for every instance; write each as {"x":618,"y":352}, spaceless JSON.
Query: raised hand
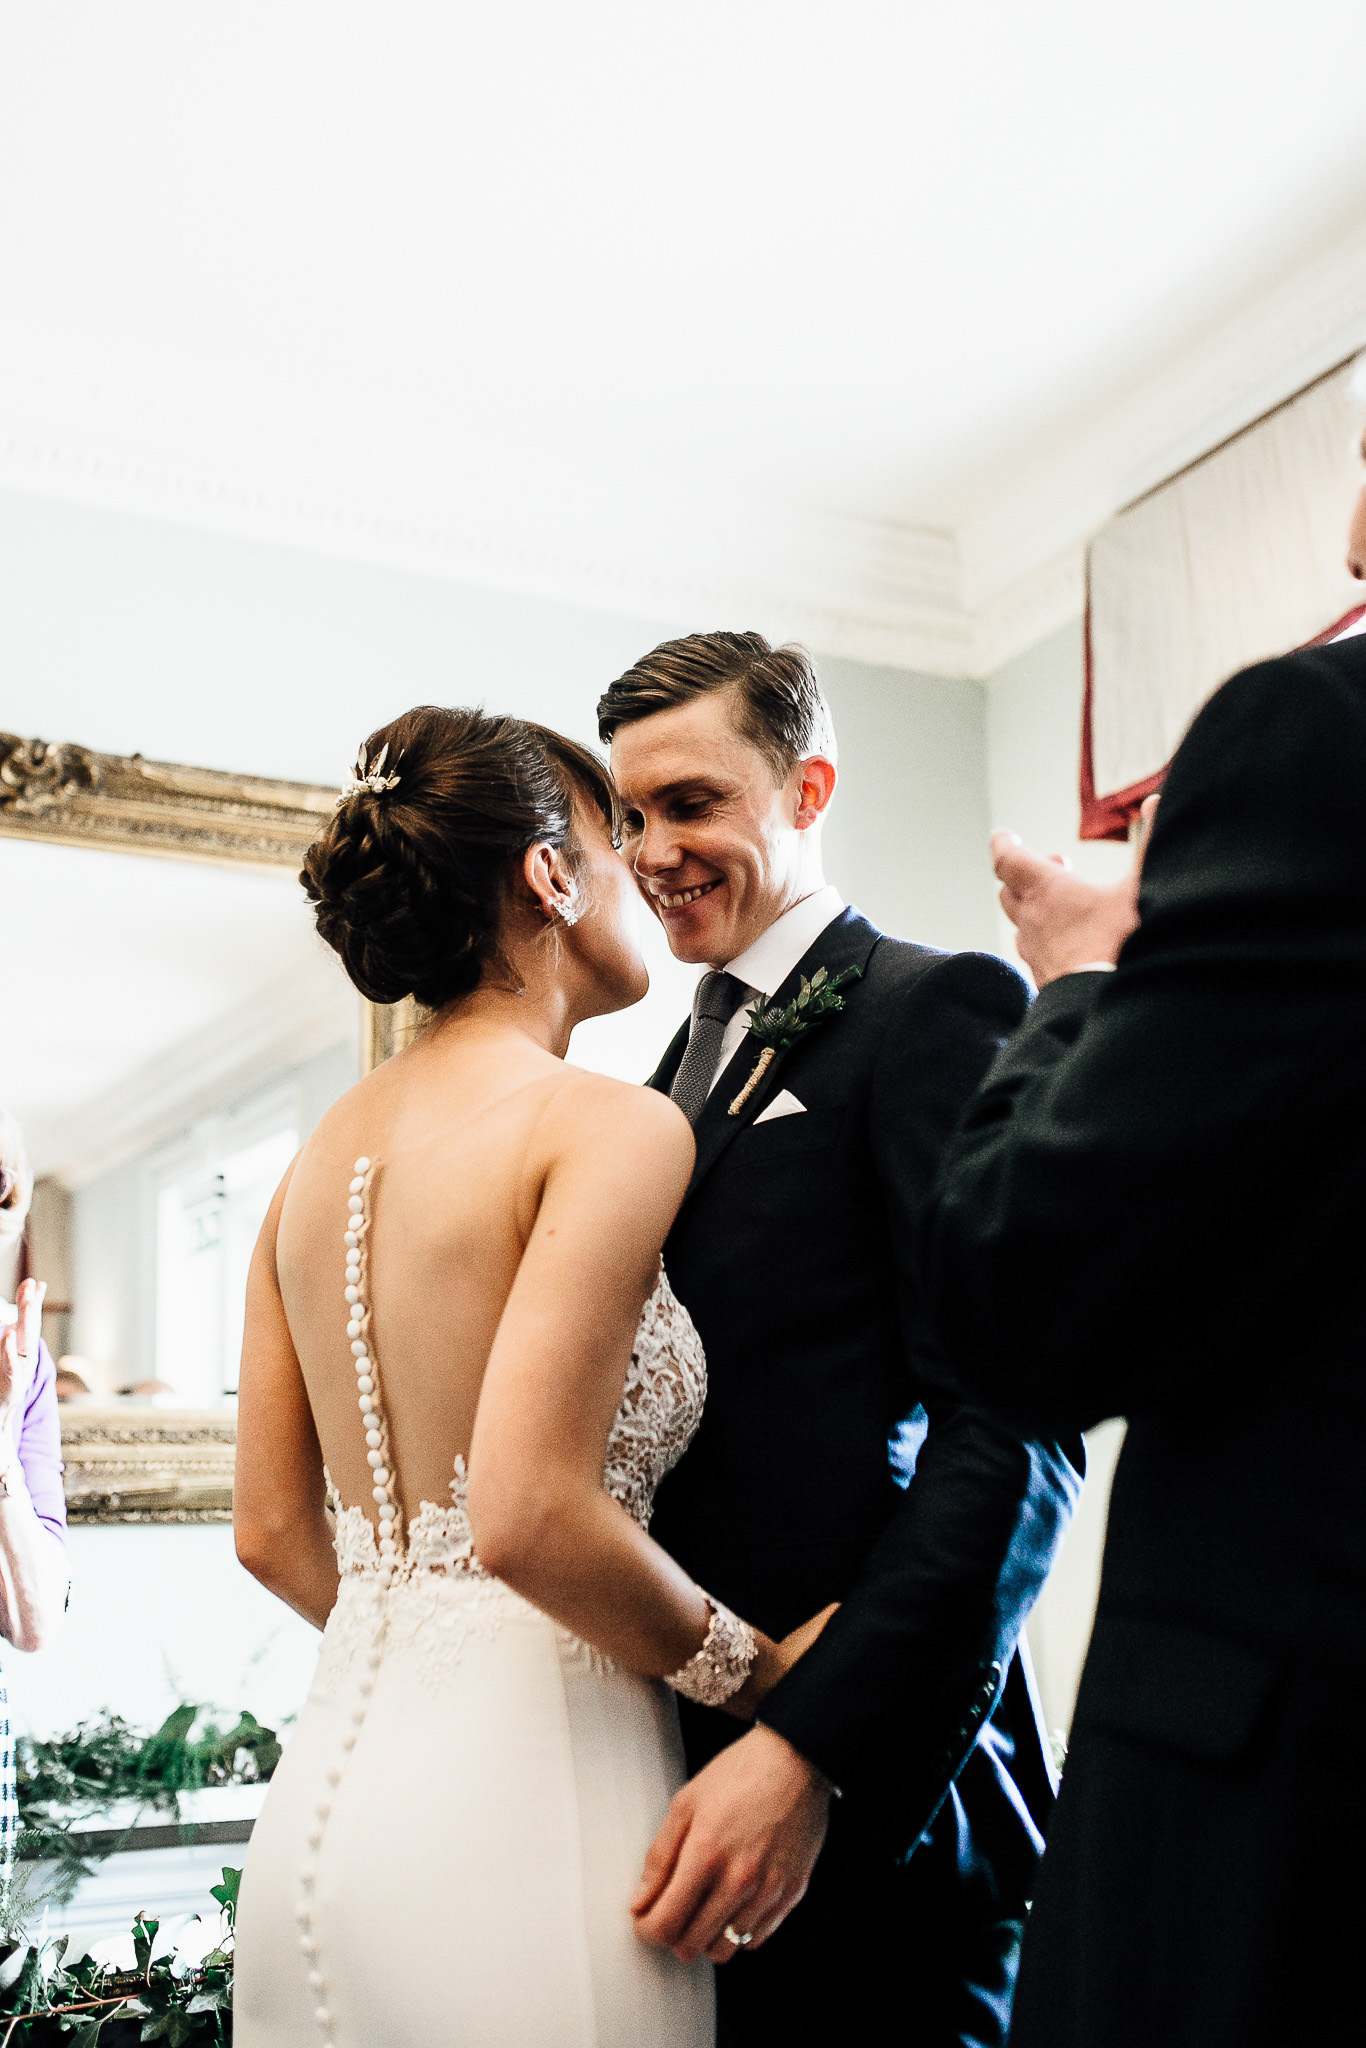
{"x":18,"y":1350}
{"x":33,"y":1573}
{"x":1062,"y":923}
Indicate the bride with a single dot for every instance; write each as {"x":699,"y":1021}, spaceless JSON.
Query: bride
{"x":458,"y":1328}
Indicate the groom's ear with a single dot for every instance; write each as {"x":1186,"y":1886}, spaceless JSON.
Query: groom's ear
{"x":815,"y":780}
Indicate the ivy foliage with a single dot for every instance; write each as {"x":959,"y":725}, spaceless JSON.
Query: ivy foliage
{"x":101,"y":1762}
{"x":44,"y":2003}
{"x":69,"y":1782}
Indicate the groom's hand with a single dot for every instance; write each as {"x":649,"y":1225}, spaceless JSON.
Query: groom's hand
{"x":737,"y":1849}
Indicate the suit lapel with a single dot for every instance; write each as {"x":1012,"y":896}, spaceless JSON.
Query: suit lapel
{"x":663,"y":1075}
{"x":848,"y":942}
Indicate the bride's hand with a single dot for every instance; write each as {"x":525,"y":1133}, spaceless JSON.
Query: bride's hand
{"x":773,"y":1661}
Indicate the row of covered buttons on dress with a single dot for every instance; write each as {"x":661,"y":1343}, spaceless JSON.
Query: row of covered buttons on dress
{"x":367,"y":1394}
{"x":382,"y":1490}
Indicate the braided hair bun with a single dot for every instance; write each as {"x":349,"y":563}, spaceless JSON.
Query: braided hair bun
{"x":409,"y":882}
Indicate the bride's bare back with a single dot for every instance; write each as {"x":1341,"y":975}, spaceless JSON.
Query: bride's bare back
{"x":462,"y":1131}
{"x":451,"y":1211}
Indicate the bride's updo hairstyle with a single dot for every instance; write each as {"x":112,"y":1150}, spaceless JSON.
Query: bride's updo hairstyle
{"x":410,"y":881}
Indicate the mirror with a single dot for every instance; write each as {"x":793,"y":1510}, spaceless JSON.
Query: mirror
{"x":171,"y":1029}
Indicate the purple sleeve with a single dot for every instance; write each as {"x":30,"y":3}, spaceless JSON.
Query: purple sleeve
{"x":40,"y":1447}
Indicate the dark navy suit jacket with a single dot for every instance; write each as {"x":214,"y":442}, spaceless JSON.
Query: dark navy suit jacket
{"x":1163,"y":1188}
{"x":824,"y":1469}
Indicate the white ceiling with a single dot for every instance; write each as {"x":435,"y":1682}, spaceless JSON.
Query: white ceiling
{"x":854,"y":319}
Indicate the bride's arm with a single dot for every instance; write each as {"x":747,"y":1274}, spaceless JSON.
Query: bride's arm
{"x":278,"y":1511}
{"x":611,"y":1166}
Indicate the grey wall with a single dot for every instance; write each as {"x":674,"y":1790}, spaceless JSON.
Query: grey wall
{"x":130,"y":635}
{"x":112,"y":1322}
{"x":907,"y":835}
{"x":114,"y":1319}
{"x":1033,"y":721}
{"x":1033,"y":712}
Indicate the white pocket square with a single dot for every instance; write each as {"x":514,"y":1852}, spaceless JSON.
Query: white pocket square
{"x":784,"y":1104}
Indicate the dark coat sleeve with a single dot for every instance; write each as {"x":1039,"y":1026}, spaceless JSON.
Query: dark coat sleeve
{"x":1126,"y":1194}
{"x":890,"y":1699}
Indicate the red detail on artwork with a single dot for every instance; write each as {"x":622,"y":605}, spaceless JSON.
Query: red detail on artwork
{"x":1110,"y":816}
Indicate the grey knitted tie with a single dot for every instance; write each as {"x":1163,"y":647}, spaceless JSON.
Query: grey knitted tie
{"x":718,"y":998}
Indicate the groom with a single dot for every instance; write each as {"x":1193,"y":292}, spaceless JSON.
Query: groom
{"x":898,"y":1769}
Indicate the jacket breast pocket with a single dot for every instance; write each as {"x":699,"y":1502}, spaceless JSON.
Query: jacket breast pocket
{"x":785,"y":1137}
{"x":1171,"y":1687}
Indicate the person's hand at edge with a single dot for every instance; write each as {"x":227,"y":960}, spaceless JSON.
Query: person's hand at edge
{"x":1063,"y":924}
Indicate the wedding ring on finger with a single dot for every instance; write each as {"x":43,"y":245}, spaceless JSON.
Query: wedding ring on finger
{"x":733,"y":1935}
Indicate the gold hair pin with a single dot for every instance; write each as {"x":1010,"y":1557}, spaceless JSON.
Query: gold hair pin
{"x":362,"y":776}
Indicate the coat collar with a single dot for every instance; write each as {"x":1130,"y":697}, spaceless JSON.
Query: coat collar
{"x":848,"y":942}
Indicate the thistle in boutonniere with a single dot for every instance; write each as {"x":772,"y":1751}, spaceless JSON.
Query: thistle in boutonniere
{"x":777,"y":1030}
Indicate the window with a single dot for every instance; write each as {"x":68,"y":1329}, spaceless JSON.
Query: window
{"x":209,"y":1209}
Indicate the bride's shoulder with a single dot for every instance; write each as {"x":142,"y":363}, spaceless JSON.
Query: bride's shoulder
{"x":595,"y":1109}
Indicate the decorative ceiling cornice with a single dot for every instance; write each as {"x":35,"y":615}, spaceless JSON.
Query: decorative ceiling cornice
{"x":951,"y":602}
{"x":1311,"y":320}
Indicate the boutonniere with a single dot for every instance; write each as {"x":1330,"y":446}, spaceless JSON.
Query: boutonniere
{"x":776,"y":1030}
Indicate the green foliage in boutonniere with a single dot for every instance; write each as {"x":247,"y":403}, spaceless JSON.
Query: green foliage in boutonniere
{"x":778,"y":1030}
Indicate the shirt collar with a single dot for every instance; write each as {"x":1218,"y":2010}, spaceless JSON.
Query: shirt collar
{"x":766,"y":964}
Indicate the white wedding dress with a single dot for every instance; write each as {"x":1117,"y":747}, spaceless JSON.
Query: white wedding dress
{"x":452,"y":1837}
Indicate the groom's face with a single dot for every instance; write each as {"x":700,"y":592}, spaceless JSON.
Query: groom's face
{"x":716,"y":843}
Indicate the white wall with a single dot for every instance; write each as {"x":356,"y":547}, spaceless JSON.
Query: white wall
{"x":1033,"y":719}
{"x":157,"y":1615}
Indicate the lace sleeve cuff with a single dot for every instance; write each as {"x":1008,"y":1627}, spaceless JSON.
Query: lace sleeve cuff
{"x":722,"y":1664}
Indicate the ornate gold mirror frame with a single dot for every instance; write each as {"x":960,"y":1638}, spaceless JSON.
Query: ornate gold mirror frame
{"x":165,"y":1466}
{"x":72,"y":796}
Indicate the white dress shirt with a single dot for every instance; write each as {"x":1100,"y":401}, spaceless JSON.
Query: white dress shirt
{"x":765,"y":966}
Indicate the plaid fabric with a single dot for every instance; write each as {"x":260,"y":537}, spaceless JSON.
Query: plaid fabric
{"x":9,"y":1799}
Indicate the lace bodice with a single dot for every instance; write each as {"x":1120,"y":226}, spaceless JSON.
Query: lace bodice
{"x":419,"y":1596}
{"x":661,"y":1406}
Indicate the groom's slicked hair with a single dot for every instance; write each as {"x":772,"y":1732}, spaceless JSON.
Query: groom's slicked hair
{"x":780,"y":707}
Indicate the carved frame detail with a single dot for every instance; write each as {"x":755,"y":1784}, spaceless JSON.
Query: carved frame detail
{"x":71,"y":795}
{"x":132,"y":1464}
{"x":148,"y":1465}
